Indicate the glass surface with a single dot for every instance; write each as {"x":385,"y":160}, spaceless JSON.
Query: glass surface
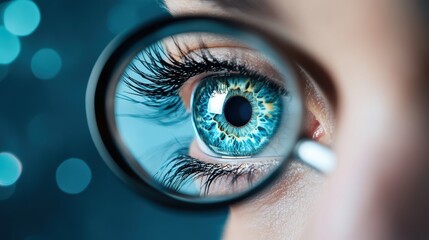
{"x":205,"y":116}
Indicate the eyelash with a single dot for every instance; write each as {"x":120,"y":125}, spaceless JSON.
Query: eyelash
{"x":166,"y":75}
{"x":183,"y":168}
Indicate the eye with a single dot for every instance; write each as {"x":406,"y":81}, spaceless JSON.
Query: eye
{"x":236,"y":116}
{"x":209,"y":116}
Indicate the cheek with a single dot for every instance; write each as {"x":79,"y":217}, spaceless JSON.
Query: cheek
{"x":280,"y":211}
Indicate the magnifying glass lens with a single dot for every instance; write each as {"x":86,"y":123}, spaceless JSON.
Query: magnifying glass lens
{"x":202,"y":112}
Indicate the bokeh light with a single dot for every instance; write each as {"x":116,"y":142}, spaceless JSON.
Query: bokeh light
{"x":10,"y":169}
{"x":21,"y":17}
{"x":10,"y":46}
{"x":116,"y":22}
{"x":73,"y":176}
{"x":46,"y":63}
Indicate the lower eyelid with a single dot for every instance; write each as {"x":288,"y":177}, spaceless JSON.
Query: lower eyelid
{"x":210,"y":177}
{"x":260,"y":167}
{"x":195,"y":152}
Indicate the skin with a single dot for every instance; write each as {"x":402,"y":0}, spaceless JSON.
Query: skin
{"x":374,"y":53}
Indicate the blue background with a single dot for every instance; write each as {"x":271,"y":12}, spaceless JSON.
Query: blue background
{"x":43,"y":123}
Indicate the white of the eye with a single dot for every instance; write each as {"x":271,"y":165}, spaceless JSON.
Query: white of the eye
{"x":216,"y":103}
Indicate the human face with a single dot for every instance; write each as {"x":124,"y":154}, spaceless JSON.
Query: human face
{"x":374,"y":52}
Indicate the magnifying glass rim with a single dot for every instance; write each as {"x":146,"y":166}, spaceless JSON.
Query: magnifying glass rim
{"x":99,"y":87}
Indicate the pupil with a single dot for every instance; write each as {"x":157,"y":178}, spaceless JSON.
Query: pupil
{"x":237,"y":111}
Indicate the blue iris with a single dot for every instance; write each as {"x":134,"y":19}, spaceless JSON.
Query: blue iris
{"x":236,"y":115}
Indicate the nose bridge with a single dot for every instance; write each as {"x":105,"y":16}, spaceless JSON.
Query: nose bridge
{"x":381,"y":141}
{"x":381,"y":146}
{"x":378,"y":71}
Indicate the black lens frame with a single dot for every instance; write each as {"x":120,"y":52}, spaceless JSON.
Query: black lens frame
{"x":100,"y":88}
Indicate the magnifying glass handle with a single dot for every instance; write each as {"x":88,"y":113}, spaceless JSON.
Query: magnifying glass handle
{"x":317,"y":156}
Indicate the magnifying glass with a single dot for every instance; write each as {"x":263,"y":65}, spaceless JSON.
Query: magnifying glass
{"x":199,"y":112}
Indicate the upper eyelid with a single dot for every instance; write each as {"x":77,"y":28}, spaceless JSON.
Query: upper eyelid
{"x":319,"y":75}
{"x":253,"y":62}
{"x":221,"y":49}
{"x":184,"y":44}
{"x":165,"y":81}
{"x":168,"y":76}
